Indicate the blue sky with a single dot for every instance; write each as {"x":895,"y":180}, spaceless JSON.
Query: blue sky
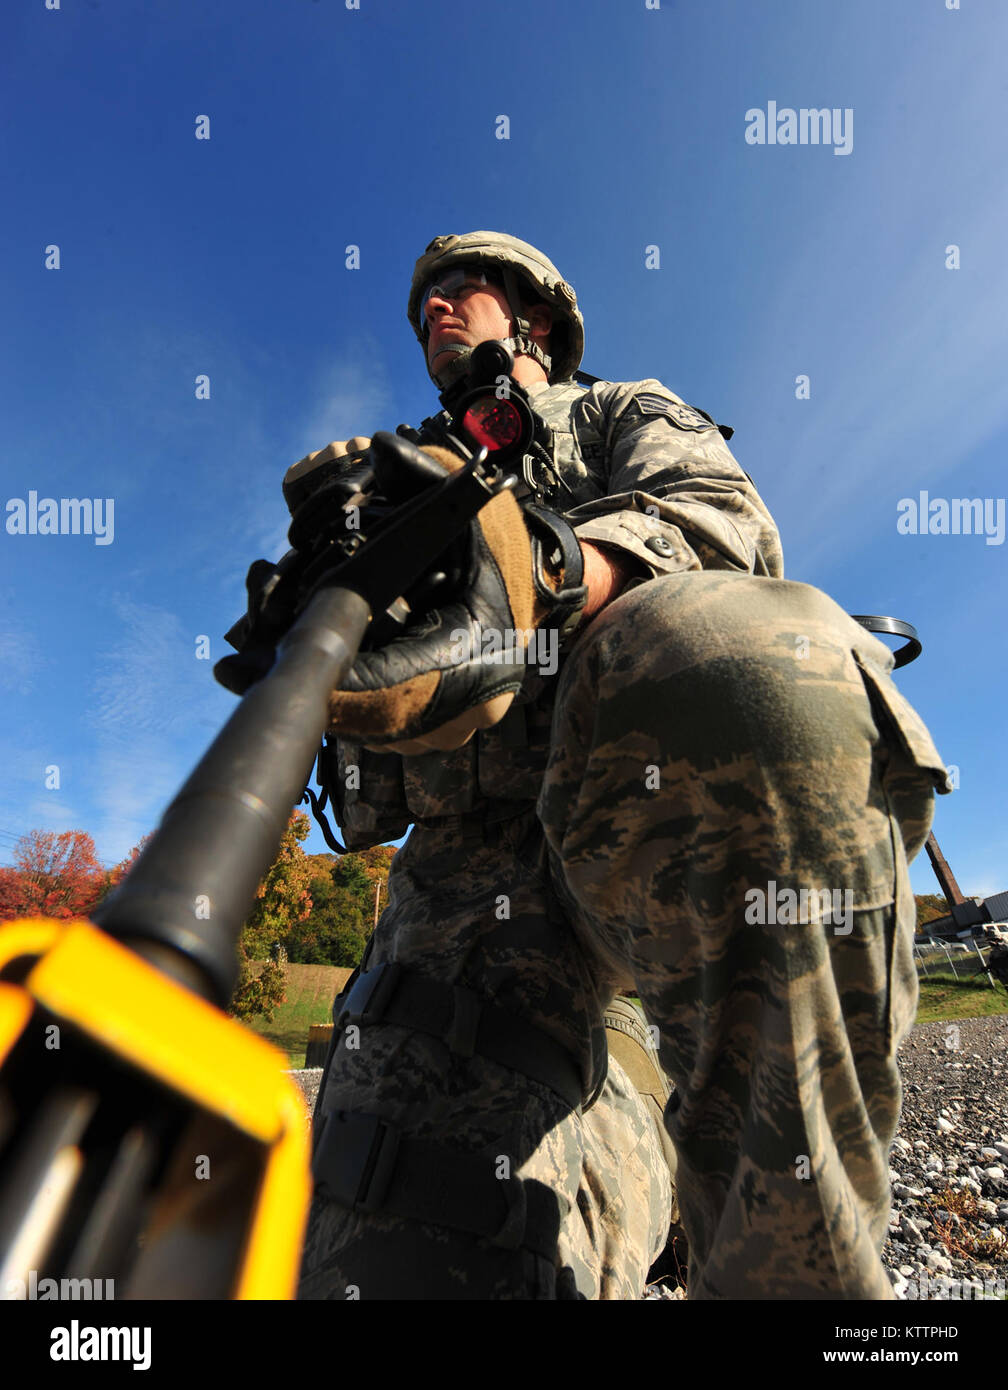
{"x":376,"y":127}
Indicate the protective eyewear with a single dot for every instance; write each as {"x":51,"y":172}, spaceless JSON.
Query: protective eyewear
{"x":452,"y":285}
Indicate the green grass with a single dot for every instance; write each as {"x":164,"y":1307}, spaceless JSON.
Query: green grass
{"x":942,"y":996}
{"x":312,"y":988}
{"x":310,"y":992}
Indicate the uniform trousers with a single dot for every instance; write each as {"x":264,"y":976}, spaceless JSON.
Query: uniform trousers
{"x":732,"y":793}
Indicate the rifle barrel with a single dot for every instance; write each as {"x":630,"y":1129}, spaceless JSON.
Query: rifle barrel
{"x":183,"y":904}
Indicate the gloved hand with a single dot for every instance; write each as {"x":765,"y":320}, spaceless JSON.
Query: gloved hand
{"x":273,"y":588}
{"x":432,"y":687}
{"x":305,"y":476}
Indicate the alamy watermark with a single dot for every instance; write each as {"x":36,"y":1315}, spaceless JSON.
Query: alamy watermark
{"x":62,"y":516}
{"x":809,"y":125}
{"x":535,"y":646}
{"x":76,"y":1343}
{"x":955,"y":516}
{"x":33,"y":1289}
{"x":773,"y":906}
{"x":955,"y":1290}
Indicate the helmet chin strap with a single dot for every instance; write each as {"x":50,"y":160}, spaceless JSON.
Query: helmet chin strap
{"x":455,"y":369}
{"x":522,"y":344}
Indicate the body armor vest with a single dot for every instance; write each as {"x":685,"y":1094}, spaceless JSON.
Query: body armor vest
{"x":377,"y":796}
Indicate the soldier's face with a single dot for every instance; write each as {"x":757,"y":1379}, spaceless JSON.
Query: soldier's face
{"x":475,"y":314}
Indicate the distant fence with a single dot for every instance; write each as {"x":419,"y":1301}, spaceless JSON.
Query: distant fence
{"x":963,"y":960}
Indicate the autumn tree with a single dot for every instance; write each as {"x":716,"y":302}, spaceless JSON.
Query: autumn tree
{"x":284,"y":896}
{"x":114,"y":876}
{"x":120,"y":870}
{"x":930,"y":906}
{"x":283,"y":900}
{"x":54,"y":875}
{"x":261,"y":987}
{"x":377,"y":862}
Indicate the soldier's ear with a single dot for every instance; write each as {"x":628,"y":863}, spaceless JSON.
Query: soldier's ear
{"x":540,"y":319}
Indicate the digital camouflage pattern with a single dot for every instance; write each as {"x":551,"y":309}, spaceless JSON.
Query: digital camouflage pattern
{"x":637,"y":469}
{"x":716,"y":729}
{"x":606,"y":1167}
{"x":774,"y":769}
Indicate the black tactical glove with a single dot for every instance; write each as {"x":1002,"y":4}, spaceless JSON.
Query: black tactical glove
{"x":457,"y":669}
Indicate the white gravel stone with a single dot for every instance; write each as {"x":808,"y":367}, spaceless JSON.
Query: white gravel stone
{"x":905,"y":1193}
{"x":946,"y":1126}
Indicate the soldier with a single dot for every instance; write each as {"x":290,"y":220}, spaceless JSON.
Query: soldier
{"x":677,"y":811}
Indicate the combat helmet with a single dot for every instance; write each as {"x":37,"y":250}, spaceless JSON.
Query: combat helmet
{"x":521,"y":267}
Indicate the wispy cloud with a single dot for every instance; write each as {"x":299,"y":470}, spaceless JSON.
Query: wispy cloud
{"x":21,"y":655}
{"x":350,"y":395}
{"x":28,"y":799}
{"x":909,"y":355}
{"x":152,"y":704}
{"x":146,"y":681}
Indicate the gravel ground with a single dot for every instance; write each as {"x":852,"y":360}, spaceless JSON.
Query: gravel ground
{"x":949,"y":1164}
{"x":309,"y":1081}
{"x":948,"y":1235}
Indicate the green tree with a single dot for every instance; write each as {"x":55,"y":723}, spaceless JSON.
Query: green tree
{"x":337,"y":930}
{"x":343,"y":890}
{"x":350,"y":872}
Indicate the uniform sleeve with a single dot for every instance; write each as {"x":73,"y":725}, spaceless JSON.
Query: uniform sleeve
{"x":676,"y":499}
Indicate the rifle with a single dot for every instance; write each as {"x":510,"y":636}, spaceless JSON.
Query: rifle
{"x":146,"y":1138}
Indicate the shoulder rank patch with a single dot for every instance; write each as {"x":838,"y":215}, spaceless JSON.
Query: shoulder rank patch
{"x":684,"y":417}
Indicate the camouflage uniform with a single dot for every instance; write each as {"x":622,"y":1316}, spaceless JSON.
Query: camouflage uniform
{"x":714,"y":730}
